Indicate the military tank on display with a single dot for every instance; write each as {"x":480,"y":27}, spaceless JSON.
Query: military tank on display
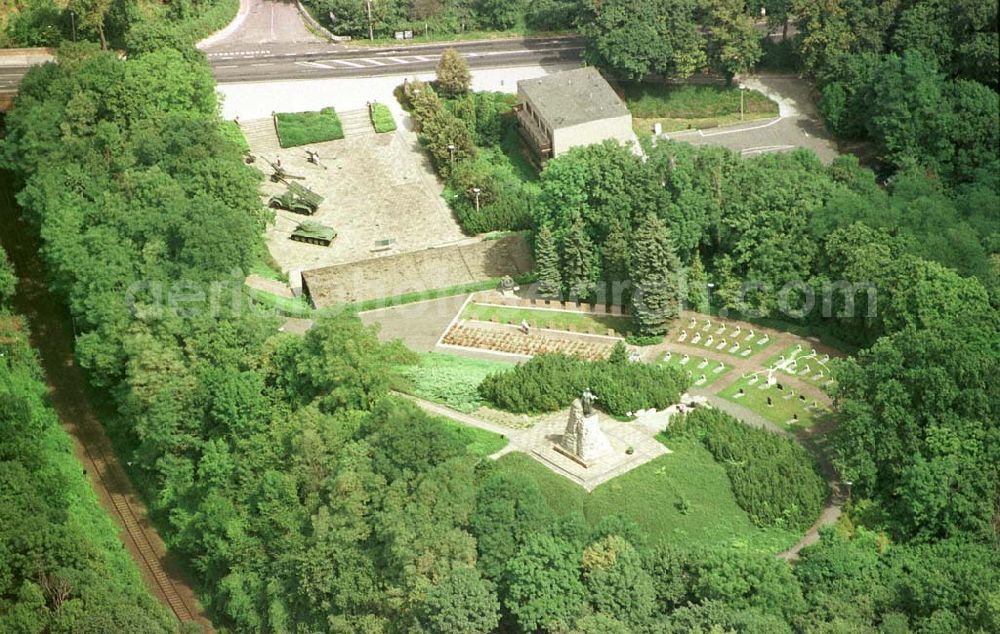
{"x":314,"y":233}
{"x":297,"y":199}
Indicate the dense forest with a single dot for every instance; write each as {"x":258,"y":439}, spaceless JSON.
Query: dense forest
{"x":306,"y":498}
{"x":62,"y":568}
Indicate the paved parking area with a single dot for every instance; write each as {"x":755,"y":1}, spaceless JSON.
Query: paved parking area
{"x":798,"y":124}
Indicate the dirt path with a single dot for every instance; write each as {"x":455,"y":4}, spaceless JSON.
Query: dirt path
{"x":52,"y":338}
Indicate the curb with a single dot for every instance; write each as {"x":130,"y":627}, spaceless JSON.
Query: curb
{"x":229,"y":29}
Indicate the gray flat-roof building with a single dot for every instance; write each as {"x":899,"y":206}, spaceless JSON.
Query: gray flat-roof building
{"x":576,"y":107}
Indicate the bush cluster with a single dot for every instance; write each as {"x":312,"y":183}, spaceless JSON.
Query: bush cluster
{"x":549,"y":382}
{"x":774,"y":478}
{"x":475,"y":125}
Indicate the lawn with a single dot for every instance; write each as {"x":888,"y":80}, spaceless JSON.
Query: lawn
{"x":681,"y":107}
{"x":382,"y":119}
{"x":448,"y":379}
{"x":551,"y":319}
{"x":479,"y":442}
{"x":301,"y":128}
{"x":683,"y":498}
{"x":696,"y":366}
{"x":785,"y":404}
{"x":813,"y":368}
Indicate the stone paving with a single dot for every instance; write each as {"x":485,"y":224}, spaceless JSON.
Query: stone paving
{"x":539,"y":440}
{"x":376,"y":187}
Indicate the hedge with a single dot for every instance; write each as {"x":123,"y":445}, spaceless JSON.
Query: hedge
{"x":302,"y":128}
{"x":382,"y":118}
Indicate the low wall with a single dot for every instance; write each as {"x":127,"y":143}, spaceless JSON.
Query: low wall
{"x":417,"y":271}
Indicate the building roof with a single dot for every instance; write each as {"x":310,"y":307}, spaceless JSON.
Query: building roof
{"x":572,"y":97}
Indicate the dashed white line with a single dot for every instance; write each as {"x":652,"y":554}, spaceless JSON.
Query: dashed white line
{"x":347,"y":63}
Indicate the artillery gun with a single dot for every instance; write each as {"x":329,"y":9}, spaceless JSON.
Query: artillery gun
{"x":297,"y":199}
{"x":314,"y":233}
{"x":280,"y":175}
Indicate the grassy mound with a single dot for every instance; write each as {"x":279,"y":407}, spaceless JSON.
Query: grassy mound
{"x":302,"y":128}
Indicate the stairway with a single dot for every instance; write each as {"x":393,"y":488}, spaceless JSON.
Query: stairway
{"x":356,"y":123}
{"x":261,"y":136}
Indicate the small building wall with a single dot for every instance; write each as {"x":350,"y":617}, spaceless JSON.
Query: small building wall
{"x":618,"y":128}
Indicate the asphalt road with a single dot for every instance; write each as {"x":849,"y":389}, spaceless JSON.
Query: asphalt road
{"x":355,"y":61}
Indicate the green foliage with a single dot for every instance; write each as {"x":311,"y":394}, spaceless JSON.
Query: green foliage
{"x":655,"y":270}
{"x":302,"y":128}
{"x":63,"y":569}
{"x":919,"y":426}
{"x":542,"y":584}
{"x":550,"y":382}
{"x":648,"y":100}
{"x":547,"y":263}
{"x":775,"y":480}
{"x":382,"y":119}
{"x":464,"y":603}
{"x":453,"y":77}
{"x":8,"y":281}
{"x":451,"y":380}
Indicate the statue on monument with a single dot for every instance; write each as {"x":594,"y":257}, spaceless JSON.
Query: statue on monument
{"x":583,"y":439}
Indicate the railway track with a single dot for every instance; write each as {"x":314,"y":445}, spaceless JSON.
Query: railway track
{"x":51,"y":336}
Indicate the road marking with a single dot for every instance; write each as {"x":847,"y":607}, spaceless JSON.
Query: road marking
{"x":424,"y":58}
{"x":398,"y":60}
{"x":228,"y":66}
{"x":766,"y":148}
{"x":264,"y":64}
{"x":314,"y":64}
{"x":756,"y":127}
{"x":347,"y":63}
{"x":374,"y":61}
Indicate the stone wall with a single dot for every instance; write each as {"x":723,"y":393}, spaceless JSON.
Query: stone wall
{"x":415,"y":271}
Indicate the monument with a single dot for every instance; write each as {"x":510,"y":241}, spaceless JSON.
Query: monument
{"x":583,"y":440}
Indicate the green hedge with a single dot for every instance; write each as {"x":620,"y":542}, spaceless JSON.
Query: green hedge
{"x":382,"y":118}
{"x":302,"y":128}
{"x":774,"y":478}
{"x":550,"y":382}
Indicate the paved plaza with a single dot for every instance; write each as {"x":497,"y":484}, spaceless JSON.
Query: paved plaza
{"x":376,"y":187}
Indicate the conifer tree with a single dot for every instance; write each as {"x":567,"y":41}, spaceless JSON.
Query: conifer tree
{"x":547,"y":263}
{"x":697,"y":283}
{"x":453,"y":73}
{"x":579,"y":264}
{"x":655,"y":265}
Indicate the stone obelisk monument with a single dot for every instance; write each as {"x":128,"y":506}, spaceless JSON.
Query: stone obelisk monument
{"x":583,"y":440}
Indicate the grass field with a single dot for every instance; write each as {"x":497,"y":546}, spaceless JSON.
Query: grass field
{"x":783,"y":407}
{"x":692,"y":107}
{"x":683,"y":498}
{"x":448,"y":379}
{"x":820,"y":373}
{"x":552,"y":319}
{"x":301,"y":128}
{"x":479,"y":442}
{"x":692,"y":366}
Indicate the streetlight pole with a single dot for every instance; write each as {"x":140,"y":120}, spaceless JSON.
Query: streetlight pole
{"x":451,"y":155}
{"x":476,"y":191}
{"x":371,"y":31}
{"x":741,"y":103}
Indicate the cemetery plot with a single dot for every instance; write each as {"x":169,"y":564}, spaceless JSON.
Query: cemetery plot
{"x":550,"y":319}
{"x":702,"y":371}
{"x":736,"y":340}
{"x":765,"y":394}
{"x":805,"y":364}
{"x":510,"y":340}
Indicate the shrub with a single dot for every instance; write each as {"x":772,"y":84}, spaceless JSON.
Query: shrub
{"x":774,"y":478}
{"x":301,"y":128}
{"x":382,"y":118}
{"x":549,"y":382}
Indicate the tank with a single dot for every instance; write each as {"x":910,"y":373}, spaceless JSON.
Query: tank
{"x":314,"y":233}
